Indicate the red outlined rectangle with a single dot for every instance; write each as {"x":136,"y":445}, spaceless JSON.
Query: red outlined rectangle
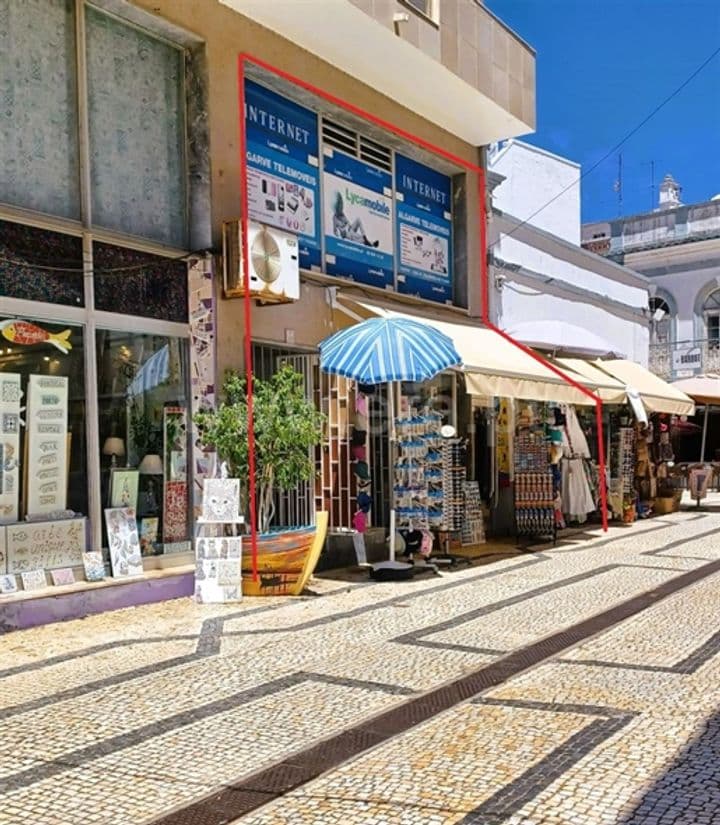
{"x":244,"y":59}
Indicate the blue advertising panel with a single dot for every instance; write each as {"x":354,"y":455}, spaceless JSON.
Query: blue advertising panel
{"x":282,"y":161}
{"x":423,"y":230}
{"x":357,"y":220}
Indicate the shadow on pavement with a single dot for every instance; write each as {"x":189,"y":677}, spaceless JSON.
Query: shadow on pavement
{"x":688,"y":793}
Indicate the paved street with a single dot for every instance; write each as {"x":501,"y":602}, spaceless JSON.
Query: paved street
{"x":575,"y":684}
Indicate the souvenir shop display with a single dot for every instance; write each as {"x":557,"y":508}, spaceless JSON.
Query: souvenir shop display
{"x":418,"y":472}
{"x":453,"y":480}
{"x":536,"y":486}
{"x":698,"y":480}
{"x":218,"y":569}
{"x":361,"y":519}
{"x":473,"y":526}
{"x":622,"y":473}
{"x":577,"y":498}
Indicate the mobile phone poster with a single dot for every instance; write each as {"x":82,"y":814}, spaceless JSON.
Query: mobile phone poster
{"x":423,"y":230}
{"x":282,"y":164}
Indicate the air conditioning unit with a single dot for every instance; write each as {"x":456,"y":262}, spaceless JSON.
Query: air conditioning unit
{"x":273,"y":258}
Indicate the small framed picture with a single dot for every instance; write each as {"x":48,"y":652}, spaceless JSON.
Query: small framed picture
{"x":8,"y":584}
{"x":33,"y":580}
{"x":94,"y":566}
{"x":148,"y":535}
{"x":124,"y":484}
{"x":63,"y":575}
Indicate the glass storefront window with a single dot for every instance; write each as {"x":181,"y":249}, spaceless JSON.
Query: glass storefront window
{"x":137,"y":283}
{"x":24,"y":250}
{"x":43,"y":463}
{"x":143,"y":428}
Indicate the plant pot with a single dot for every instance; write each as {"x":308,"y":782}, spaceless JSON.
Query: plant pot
{"x":285,"y":560}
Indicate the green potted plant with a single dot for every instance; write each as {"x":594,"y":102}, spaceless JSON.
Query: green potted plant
{"x":287,"y":428}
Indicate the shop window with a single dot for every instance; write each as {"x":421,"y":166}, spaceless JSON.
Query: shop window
{"x":711,"y":315}
{"x":136,"y":104}
{"x":43,"y":464}
{"x":39,"y":161}
{"x":426,"y":8}
{"x":136,"y":283}
{"x":25,"y":252}
{"x":660,"y":321}
{"x":143,"y":427}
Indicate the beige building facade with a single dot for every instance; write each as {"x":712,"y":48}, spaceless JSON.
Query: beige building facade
{"x":120,"y":167}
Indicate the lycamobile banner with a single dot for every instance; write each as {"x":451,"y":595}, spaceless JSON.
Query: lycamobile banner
{"x":282,"y":159}
{"x":424,"y":230}
{"x":357,"y":220}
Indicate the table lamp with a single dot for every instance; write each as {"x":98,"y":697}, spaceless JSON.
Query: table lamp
{"x":151,"y":465}
{"x":113,"y":447}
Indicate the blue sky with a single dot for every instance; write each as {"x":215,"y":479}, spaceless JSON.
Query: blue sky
{"x":602,"y":67}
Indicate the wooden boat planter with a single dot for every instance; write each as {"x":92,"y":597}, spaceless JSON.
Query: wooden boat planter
{"x":286,"y":559}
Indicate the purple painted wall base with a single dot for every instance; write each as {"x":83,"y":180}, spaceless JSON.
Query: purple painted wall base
{"x":18,"y":615}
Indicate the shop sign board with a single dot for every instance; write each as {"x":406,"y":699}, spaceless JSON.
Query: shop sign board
{"x":10,"y":398}
{"x":282,"y":165}
{"x":358,"y":220}
{"x":47,"y":453}
{"x":423,"y":230}
{"x":45,"y":544}
{"x":686,"y":361}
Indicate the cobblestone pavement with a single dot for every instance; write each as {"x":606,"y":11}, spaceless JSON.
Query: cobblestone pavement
{"x":575,"y":684}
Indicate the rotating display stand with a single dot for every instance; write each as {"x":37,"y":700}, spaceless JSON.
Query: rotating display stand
{"x":534,"y":485}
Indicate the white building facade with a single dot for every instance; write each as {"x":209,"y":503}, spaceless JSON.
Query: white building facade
{"x":546,"y":290}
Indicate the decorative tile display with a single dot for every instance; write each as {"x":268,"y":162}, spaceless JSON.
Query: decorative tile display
{"x":175,"y":511}
{"x":10,"y":400}
{"x":94,"y":566}
{"x":46,"y":426}
{"x":125,"y":557}
{"x":33,"y":580}
{"x":64,"y":575}
{"x":46,"y":544}
{"x":202,"y":363}
{"x":218,"y":569}
{"x":221,"y":500}
{"x":8,"y":584}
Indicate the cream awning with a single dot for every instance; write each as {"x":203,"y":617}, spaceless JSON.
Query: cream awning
{"x":492,"y":365}
{"x":657,"y":395}
{"x":609,"y":389}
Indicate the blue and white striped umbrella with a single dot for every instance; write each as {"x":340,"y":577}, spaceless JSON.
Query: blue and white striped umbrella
{"x":380,"y":350}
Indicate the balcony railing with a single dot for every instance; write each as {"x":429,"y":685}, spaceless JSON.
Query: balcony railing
{"x":681,"y":359}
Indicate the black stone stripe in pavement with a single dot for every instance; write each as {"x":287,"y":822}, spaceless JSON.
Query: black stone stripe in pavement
{"x":689,"y":664}
{"x":663,"y":525}
{"x":212,"y":631}
{"x":417,"y":637}
{"x":81,"y":756}
{"x":215,"y":628}
{"x":248,"y":794}
{"x":211,"y":636}
{"x":679,"y":543}
{"x":518,"y":793}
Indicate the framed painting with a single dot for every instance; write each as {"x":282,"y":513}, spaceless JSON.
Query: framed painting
{"x":123,"y":542}
{"x":124,"y":484}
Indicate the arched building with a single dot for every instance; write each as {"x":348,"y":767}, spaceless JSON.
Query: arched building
{"x":677,"y":246}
